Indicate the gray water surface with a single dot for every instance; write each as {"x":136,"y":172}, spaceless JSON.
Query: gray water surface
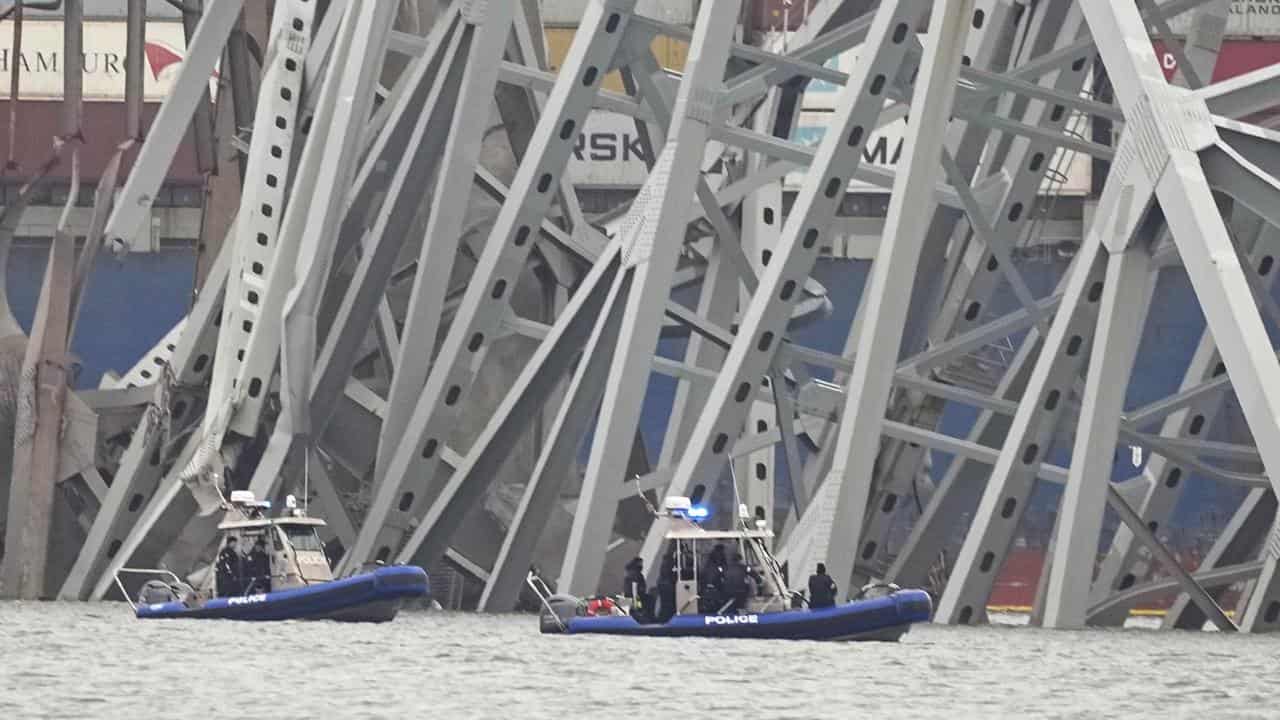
{"x":66,"y":660}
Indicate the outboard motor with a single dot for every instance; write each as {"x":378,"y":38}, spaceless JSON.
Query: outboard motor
{"x":556,"y":612}
{"x":155,"y":592}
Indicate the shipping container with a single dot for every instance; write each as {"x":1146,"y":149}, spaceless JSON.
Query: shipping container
{"x":1236,"y":57}
{"x":608,"y":153}
{"x":133,"y":300}
{"x":41,"y":64}
{"x":104,"y":129}
{"x":670,"y":52}
{"x":1245,"y":19}
{"x":1069,"y":173}
{"x":568,"y":13}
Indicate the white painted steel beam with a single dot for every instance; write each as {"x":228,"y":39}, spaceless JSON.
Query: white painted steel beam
{"x":437,"y":408}
{"x":849,"y":483}
{"x":763,"y":323}
{"x":653,"y":234}
{"x":949,"y":248}
{"x":1029,"y":438}
{"x":141,"y":466}
{"x":554,"y":464}
{"x":133,"y":206}
{"x":1201,"y":236}
{"x":486,"y":37}
{"x":1122,"y":315}
{"x":248,"y":341}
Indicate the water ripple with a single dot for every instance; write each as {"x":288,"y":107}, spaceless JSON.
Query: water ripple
{"x":95,"y":661}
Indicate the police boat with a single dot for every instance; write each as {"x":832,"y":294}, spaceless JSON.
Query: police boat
{"x":274,"y":569}
{"x":694,"y":609}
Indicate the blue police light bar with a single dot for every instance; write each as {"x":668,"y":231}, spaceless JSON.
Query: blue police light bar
{"x":698,"y":512}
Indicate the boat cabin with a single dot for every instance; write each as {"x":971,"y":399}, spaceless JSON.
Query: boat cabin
{"x":694,"y":549}
{"x":260,"y":554}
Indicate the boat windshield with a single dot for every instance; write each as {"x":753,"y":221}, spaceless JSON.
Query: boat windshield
{"x":304,"y":538}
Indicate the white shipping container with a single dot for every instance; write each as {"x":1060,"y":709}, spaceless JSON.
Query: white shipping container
{"x":882,"y":149}
{"x":1245,"y":18}
{"x":568,"y":13}
{"x":42,"y":61}
{"x":1070,"y":172}
{"x":608,"y":153}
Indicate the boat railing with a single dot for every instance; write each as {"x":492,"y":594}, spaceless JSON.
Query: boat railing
{"x":142,"y":571}
{"x":784,"y":595}
{"x":539,"y":588}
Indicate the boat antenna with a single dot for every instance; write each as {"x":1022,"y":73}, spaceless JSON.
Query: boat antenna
{"x":737,"y":499}
{"x":644,"y":498}
{"x":306,"y":477}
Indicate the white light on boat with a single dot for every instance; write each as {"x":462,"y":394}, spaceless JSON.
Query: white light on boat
{"x":761,"y":524}
{"x":241,"y":497}
{"x":743,"y":512}
{"x":677,"y":502}
{"x":290,"y":502}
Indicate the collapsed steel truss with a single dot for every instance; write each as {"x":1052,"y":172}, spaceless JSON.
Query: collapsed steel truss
{"x":426,"y":327}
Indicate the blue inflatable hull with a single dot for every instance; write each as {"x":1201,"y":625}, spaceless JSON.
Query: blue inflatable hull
{"x":369,"y":597}
{"x":884,"y":618}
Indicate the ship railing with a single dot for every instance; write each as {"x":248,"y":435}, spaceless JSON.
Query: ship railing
{"x":177,"y":582}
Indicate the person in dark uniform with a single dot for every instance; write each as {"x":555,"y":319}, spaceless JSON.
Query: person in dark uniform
{"x":667,"y":587}
{"x":736,"y":589}
{"x":712,"y":581}
{"x":258,"y":565}
{"x":634,"y":587}
{"x":822,"y":589}
{"x":230,"y":569}
{"x":757,"y":580}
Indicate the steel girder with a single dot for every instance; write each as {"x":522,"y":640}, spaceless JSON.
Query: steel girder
{"x":897,"y":471}
{"x":204,"y":48}
{"x":1123,"y":564}
{"x":762,"y":324}
{"x":1171,"y":164}
{"x":141,"y":468}
{"x":601,"y":342}
{"x":403,"y":156}
{"x":447,"y":214}
{"x":653,"y":236}
{"x":1030,"y":436}
{"x":848,"y":486}
{"x":1121,"y":317}
{"x":899,"y":464}
{"x":436,"y":410}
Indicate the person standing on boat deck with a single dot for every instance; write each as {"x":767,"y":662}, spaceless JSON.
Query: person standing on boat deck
{"x":666,"y":587}
{"x":757,"y":581}
{"x":634,"y":587}
{"x":712,"y":579}
{"x":822,"y":589}
{"x":230,"y":569}
{"x":259,"y":567}
{"x":736,"y":588}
